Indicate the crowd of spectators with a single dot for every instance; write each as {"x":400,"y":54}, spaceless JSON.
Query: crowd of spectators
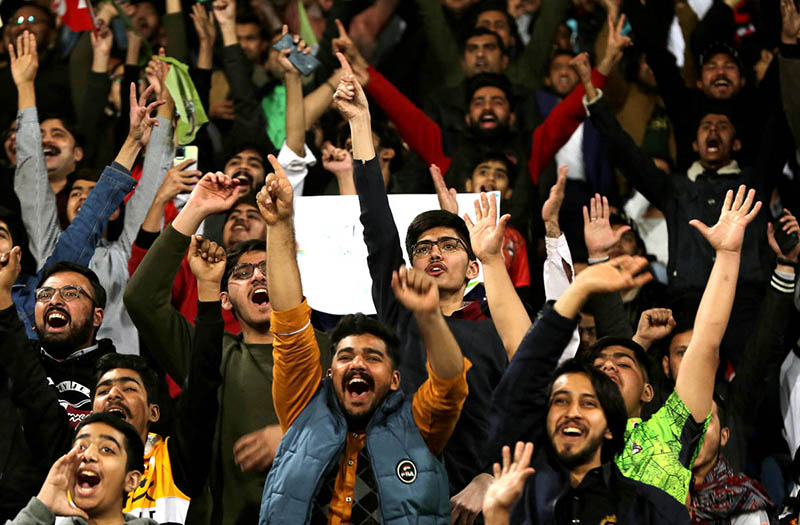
{"x":630,"y":354}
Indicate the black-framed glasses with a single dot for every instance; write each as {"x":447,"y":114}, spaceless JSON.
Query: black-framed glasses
{"x":244,"y":271}
{"x":31,"y":19}
{"x":68,"y":293}
{"x":445,"y":244}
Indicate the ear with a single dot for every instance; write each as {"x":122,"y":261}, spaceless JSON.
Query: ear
{"x":737,"y":145}
{"x":78,"y":153}
{"x":647,"y":393}
{"x":155,"y":413}
{"x":132,"y":478}
{"x":387,"y":154}
{"x":468,"y":185}
{"x":507,"y":194}
{"x":330,"y":373}
{"x":473,"y":268}
{"x":695,"y":147}
{"x":504,"y":61}
{"x":226,"y":301}
{"x":547,"y":81}
{"x":608,"y":434}
{"x":467,"y":120}
{"x":512,"y":118}
{"x":395,"y":383}
{"x":97,"y":317}
{"x":665,"y":366}
{"x":700,"y":83}
{"x":724,"y":435}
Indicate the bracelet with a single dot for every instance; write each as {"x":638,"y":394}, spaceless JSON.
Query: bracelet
{"x":598,"y":261}
{"x":787,"y":262}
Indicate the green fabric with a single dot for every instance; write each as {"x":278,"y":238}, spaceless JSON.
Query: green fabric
{"x":653,"y":448}
{"x":274,"y":107}
{"x":187,"y":101}
{"x":306,"y":31}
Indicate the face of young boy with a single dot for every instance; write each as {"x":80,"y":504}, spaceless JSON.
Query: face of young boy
{"x":490,"y":175}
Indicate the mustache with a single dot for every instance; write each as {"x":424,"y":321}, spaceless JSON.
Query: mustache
{"x":358,"y":373}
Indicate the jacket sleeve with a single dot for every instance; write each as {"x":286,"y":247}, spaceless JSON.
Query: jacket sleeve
{"x":34,"y":513}
{"x":191,"y":445}
{"x":384,"y":252}
{"x":90,"y":117}
{"x":609,"y":315}
{"x":558,"y":127}
{"x":422,"y":134}
{"x":790,"y":91}
{"x":249,"y":121}
{"x":441,"y":40}
{"x":518,"y":403}
{"x":637,"y":167}
{"x":78,"y":242}
{"x":39,"y":214}
{"x":148,"y":299}
{"x":175,"y":27}
{"x":528,"y":69}
{"x":156,"y":163}
{"x":45,"y":423}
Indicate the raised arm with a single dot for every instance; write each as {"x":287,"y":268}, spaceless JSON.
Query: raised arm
{"x":296,"y":371}
{"x":695,"y":382}
{"x":486,"y":236}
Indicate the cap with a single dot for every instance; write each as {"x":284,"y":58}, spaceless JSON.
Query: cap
{"x":716,"y":48}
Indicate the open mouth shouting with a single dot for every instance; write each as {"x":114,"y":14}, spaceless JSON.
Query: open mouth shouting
{"x":713,"y":144}
{"x":487,"y":120}
{"x":259,"y":296}
{"x":358,"y":386}
{"x":50,"y":150}
{"x":435,"y":268}
{"x":56,"y":319}
{"x":86,"y":482}
{"x":243,"y":178}
{"x":119,"y":410}
{"x":571,"y":431}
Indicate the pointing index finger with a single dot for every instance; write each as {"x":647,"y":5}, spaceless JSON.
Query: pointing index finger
{"x":345,"y":64}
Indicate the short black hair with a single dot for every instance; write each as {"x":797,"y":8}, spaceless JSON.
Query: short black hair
{"x":249,"y":17}
{"x":247,"y":198}
{"x":717,"y":107}
{"x":495,"y":80}
{"x":559,"y":52}
{"x":684,"y":310}
{"x":359,"y":324}
{"x":132,"y":362}
{"x":639,"y":353}
{"x":472,"y":32}
{"x":716,"y":48}
{"x":68,"y":124}
{"x":114,"y":227}
{"x":388,"y":137}
{"x":19,"y":237}
{"x":98,"y":292}
{"x":51,"y":21}
{"x":133,"y":445}
{"x":495,"y":5}
{"x":235,"y":253}
{"x":610,"y":399}
{"x":248,"y":145}
{"x":434,"y":219}
{"x":497,"y":156}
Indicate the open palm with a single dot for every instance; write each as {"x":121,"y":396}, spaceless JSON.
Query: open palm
{"x":728,"y":233}
{"x":486,"y":235}
{"x":618,"y":274}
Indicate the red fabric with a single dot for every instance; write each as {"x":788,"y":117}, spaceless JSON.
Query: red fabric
{"x":76,"y":14}
{"x":471,"y":312}
{"x":515,"y":253}
{"x":424,"y":136}
{"x":136,"y":173}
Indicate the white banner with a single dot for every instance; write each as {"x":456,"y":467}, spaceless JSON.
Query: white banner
{"x":331,"y":252}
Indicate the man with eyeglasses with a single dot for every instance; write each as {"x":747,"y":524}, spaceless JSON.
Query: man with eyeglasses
{"x":248,"y":432}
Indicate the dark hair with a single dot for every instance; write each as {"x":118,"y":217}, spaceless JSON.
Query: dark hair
{"x":495,"y":5}
{"x":133,"y":445}
{"x":132,"y":362}
{"x":559,"y":53}
{"x":358,"y":324}
{"x":98,"y":291}
{"x":19,"y":237}
{"x":472,"y":32}
{"x":717,"y":107}
{"x":249,"y":17}
{"x":498,"y":156}
{"x":639,"y":353}
{"x":434,"y":219}
{"x":244,"y":145}
{"x":69,"y":125}
{"x":623,"y":220}
{"x":248,"y":198}
{"x":114,"y":227}
{"x":684,"y":310}
{"x":610,"y":399}
{"x":716,"y":48}
{"x":49,"y":14}
{"x":235,"y":253}
{"x":388,"y":137}
{"x":495,"y":80}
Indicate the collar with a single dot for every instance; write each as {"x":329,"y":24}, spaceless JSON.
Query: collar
{"x":697,"y":169}
{"x":73,"y":355}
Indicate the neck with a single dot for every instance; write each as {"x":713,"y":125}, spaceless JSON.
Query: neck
{"x":258,"y":335}
{"x":109,"y":517}
{"x":714,"y":165}
{"x":699,"y":473}
{"x":577,"y":474}
{"x":450,"y":301}
{"x":57,"y":182}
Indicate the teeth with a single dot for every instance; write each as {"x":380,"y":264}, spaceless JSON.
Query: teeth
{"x":88,"y":474}
{"x":572,"y":431}
{"x":356,"y":380}
{"x":57,"y":315}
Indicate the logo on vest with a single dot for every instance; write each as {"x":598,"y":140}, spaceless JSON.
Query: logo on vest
{"x":407,"y":471}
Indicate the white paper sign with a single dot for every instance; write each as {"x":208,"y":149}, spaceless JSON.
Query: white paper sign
{"x":332,"y":255}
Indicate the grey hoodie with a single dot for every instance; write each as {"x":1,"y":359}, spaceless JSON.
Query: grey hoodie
{"x":37,"y":513}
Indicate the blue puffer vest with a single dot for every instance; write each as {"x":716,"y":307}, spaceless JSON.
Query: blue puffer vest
{"x":412,"y":482}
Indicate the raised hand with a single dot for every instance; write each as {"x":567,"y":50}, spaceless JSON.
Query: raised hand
{"x":580,"y":63}
{"x":215,"y":192}
{"x":283,"y":55}
{"x":10,"y":266}
{"x":102,"y":42}
{"x":178,"y":180}
{"x":597,"y":231}
{"x":24,"y":59}
{"x":275,"y":200}
{"x":727,"y":235}
{"x":447,"y":197}
{"x":225,"y":12}
{"x":206,"y":259}
{"x":60,"y":480}
{"x":337,"y":160}
{"x":416,"y":291}
{"x":141,"y":121}
{"x":552,"y":206}
{"x":615,"y":47}
{"x":654,"y":324}
{"x":791,"y":22}
{"x":344,"y":45}
{"x":617,"y":275}
{"x":156,"y":73}
{"x":789,"y":225}
{"x":486,"y":235}
{"x":203,"y":25}
{"x":255,"y":451}
{"x":349,"y":96}
{"x":509,"y":480}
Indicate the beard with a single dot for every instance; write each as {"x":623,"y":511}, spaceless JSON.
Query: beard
{"x":501,"y":130}
{"x":62,"y":345}
{"x":580,"y":457}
